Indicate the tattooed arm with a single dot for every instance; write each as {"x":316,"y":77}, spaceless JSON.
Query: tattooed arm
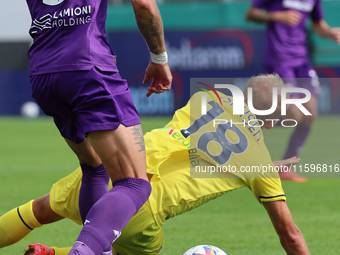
{"x":149,"y":22}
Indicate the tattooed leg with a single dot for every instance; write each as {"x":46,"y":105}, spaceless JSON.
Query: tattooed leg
{"x":122,"y":152}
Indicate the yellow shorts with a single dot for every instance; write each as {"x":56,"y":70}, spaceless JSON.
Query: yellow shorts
{"x":64,"y":196}
{"x":141,"y":235}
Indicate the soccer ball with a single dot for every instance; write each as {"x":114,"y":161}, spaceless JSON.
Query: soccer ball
{"x":205,"y":250}
{"x":30,"y":110}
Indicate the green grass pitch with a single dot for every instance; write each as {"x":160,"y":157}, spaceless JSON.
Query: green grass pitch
{"x":33,"y":156}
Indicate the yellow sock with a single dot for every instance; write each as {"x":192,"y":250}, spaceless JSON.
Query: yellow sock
{"x":61,"y":251}
{"x":16,"y":224}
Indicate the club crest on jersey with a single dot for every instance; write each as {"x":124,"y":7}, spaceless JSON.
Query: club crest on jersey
{"x":52,"y":2}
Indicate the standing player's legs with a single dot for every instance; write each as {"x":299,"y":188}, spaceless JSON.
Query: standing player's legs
{"x":288,"y":75}
{"x":61,"y":96}
{"x":309,"y":81}
{"x":302,"y":130}
{"x":94,"y":178}
{"x":100,"y":105}
{"x":123,"y":155}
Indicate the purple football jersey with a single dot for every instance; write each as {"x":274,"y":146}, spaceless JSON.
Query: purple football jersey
{"x":69,"y":35}
{"x":284,"y":43}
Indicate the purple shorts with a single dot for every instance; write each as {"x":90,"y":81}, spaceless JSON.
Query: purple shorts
{"x":303,"y":76}
{"x":84,"y":101}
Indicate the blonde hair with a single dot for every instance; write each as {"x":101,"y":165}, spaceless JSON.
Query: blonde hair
{"x":262,"y":86}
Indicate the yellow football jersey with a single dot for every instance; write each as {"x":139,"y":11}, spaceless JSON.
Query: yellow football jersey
{"x":196,"y":158}
{"x":192,"y":160}
{"x":179,"y":156}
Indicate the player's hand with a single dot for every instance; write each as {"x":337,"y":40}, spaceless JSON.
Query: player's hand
{"x":287,"y":162}
{"x":289,"y":17}
{"x":161,"y":78}
{"x":335,"y":34}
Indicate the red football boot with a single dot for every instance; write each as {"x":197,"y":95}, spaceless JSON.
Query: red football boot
{"x":38,"y":249}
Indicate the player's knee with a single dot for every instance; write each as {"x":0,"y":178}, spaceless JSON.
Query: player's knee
{"x":39,"y":208}
{"x":89,"y":159}
{"x":294,"y":113}
{"x":314,"y":115}
{"x":43,"y":211}
{"x":85,"y":152}
{"x":309,"y":119}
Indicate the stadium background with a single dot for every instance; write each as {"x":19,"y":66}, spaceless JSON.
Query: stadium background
{"x":204,"y":39}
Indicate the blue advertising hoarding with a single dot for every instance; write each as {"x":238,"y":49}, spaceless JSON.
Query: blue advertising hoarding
{"x":192,"y":54}
{"x":219,"y":53}
{"x":208,"y":54}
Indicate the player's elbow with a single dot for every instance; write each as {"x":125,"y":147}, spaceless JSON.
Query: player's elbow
{"x":292,"y":240}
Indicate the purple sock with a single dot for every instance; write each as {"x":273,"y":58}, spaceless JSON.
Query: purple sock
{"x":111,"y":212}
{"x":94,"y":185}
{"x":297,"y":141}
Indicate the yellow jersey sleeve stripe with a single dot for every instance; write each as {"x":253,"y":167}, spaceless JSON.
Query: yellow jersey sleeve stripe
{"x":273,"y":198}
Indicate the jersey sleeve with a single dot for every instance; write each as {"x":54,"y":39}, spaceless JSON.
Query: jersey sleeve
{"x":267,"y":189}
{"x":317,"y":12}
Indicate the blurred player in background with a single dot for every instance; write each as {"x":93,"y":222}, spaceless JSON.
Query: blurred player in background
{"x":286,"y":54}
{"x":171,"y":153}
{"x":75,"y":80}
